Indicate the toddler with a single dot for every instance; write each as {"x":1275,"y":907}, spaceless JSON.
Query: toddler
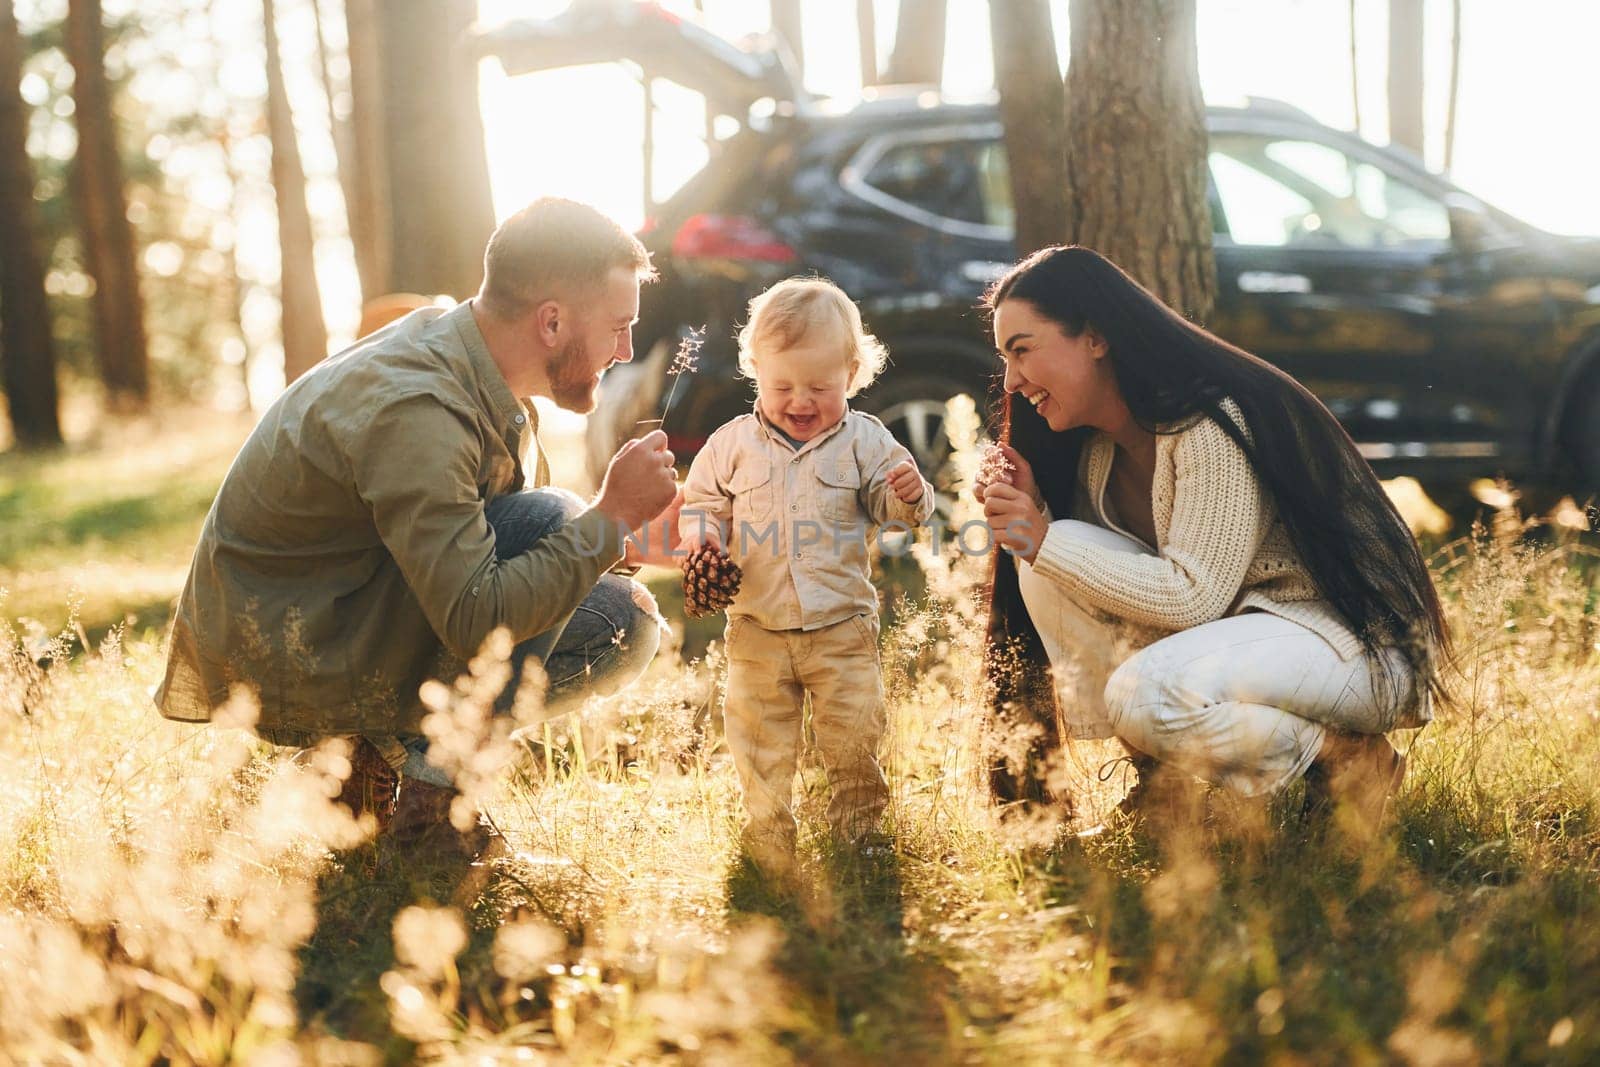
{"x":792,"y":491}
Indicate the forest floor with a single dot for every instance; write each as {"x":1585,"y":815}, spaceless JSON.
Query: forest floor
{"x":172,"y":893}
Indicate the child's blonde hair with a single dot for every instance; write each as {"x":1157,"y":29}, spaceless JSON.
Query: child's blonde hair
{"x":799,"y":308}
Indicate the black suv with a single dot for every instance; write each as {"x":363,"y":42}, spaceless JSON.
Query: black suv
{"x":1452,"y":340}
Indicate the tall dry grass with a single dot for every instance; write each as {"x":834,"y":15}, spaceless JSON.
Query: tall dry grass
{"x":190,"y":895}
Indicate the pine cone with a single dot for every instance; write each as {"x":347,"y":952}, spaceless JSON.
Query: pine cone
{"x":710,"y":581}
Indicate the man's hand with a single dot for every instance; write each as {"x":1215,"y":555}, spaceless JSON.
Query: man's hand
{"x":906,"y":482}
{"x":639,"y":482}
{"x":652,"y":542}
{"x":1015,"y":519}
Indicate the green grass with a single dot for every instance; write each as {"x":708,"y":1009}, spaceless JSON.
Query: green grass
{"x":110,"y":525}
{"x":165,"y":894}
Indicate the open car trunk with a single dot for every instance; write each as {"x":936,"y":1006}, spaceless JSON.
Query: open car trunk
{"x":662,"y":44}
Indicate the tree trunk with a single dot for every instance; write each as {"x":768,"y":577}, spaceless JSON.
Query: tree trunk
{"x":1355,"y":71}
{"x":222,"y":132}
{"x":27,"y":349}
{"x":918,"y":56}
{"x":1455,"y":86}
{"x":1033,"y":109}
{"x":1136,"y":146}
{"x":369,"y":207}
{"x":1405,"y":75}
{"x":305,"y":337}
{"x":441,"y":210}
{"x":108,"y":248}
{"x":230,"y":256}
{"x":786,"y":24}
{"x":340,"y":128}
{"x":867,"y":40}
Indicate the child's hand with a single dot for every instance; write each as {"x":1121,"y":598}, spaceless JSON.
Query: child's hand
{"x":703,"y":530}
{"x":906,"y":482}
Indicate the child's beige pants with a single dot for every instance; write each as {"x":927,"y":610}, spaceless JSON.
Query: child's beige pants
{"x":769,"y":673}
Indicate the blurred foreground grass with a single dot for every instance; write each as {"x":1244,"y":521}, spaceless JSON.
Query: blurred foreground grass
{"x":167,"y":893}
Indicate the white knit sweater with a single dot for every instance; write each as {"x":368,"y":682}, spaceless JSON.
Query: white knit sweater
{"x":1220,"y":549}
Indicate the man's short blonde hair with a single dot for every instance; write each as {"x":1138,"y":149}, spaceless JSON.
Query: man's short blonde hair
{"x":798,"y":310}
{"x":555,"y":248}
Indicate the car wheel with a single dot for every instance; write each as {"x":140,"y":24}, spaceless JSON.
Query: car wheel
{"x":1455,"y":499}
{"x":1584,"y":437}
{"x":1538,"y":501}
{"x":913,"y":409}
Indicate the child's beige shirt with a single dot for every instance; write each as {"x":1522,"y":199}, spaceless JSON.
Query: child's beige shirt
{"x":799,"y":522}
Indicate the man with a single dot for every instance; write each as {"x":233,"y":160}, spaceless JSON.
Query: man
{"x":373,"y":530}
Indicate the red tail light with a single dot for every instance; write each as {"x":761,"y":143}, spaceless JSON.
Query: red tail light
{"x":659,"y":12}
{"x":686,"y":445}
{"x":729,"y":237}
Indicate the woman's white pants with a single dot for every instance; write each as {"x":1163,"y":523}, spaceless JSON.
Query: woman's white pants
{"x":1243,"y":701}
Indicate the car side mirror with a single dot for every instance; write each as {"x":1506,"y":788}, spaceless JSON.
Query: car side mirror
{"x":1471,"y":229}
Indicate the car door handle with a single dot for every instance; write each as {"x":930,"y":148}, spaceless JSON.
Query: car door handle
{"x":1272,"y":281}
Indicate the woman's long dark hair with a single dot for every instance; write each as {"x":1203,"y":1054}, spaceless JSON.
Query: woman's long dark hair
{"x":1347,"y":531}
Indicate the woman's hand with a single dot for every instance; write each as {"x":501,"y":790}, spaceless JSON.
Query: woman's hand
{"x":1015,"y":519}
{"x":1018,"y":476}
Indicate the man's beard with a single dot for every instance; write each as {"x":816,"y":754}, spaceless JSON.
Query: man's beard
{"x":571,"y":379}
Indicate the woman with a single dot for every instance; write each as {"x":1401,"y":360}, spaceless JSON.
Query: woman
{"x":1172,"y":493}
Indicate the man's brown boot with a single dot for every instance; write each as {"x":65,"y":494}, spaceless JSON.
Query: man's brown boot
{"x":371,"y":786}
{"x":422,"y":825}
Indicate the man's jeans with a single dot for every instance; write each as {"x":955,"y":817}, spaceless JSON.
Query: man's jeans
{"x":600,"y":649}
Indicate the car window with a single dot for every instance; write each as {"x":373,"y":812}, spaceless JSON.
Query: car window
{"x":965,"y":180}
{"x":1257,"y":210}
{"x":995,"y":174}
{"x":1282,"y":191}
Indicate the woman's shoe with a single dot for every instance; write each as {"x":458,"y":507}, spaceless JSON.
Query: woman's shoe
{"x":1158,"y":793}
{"x":1351,"y":781}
